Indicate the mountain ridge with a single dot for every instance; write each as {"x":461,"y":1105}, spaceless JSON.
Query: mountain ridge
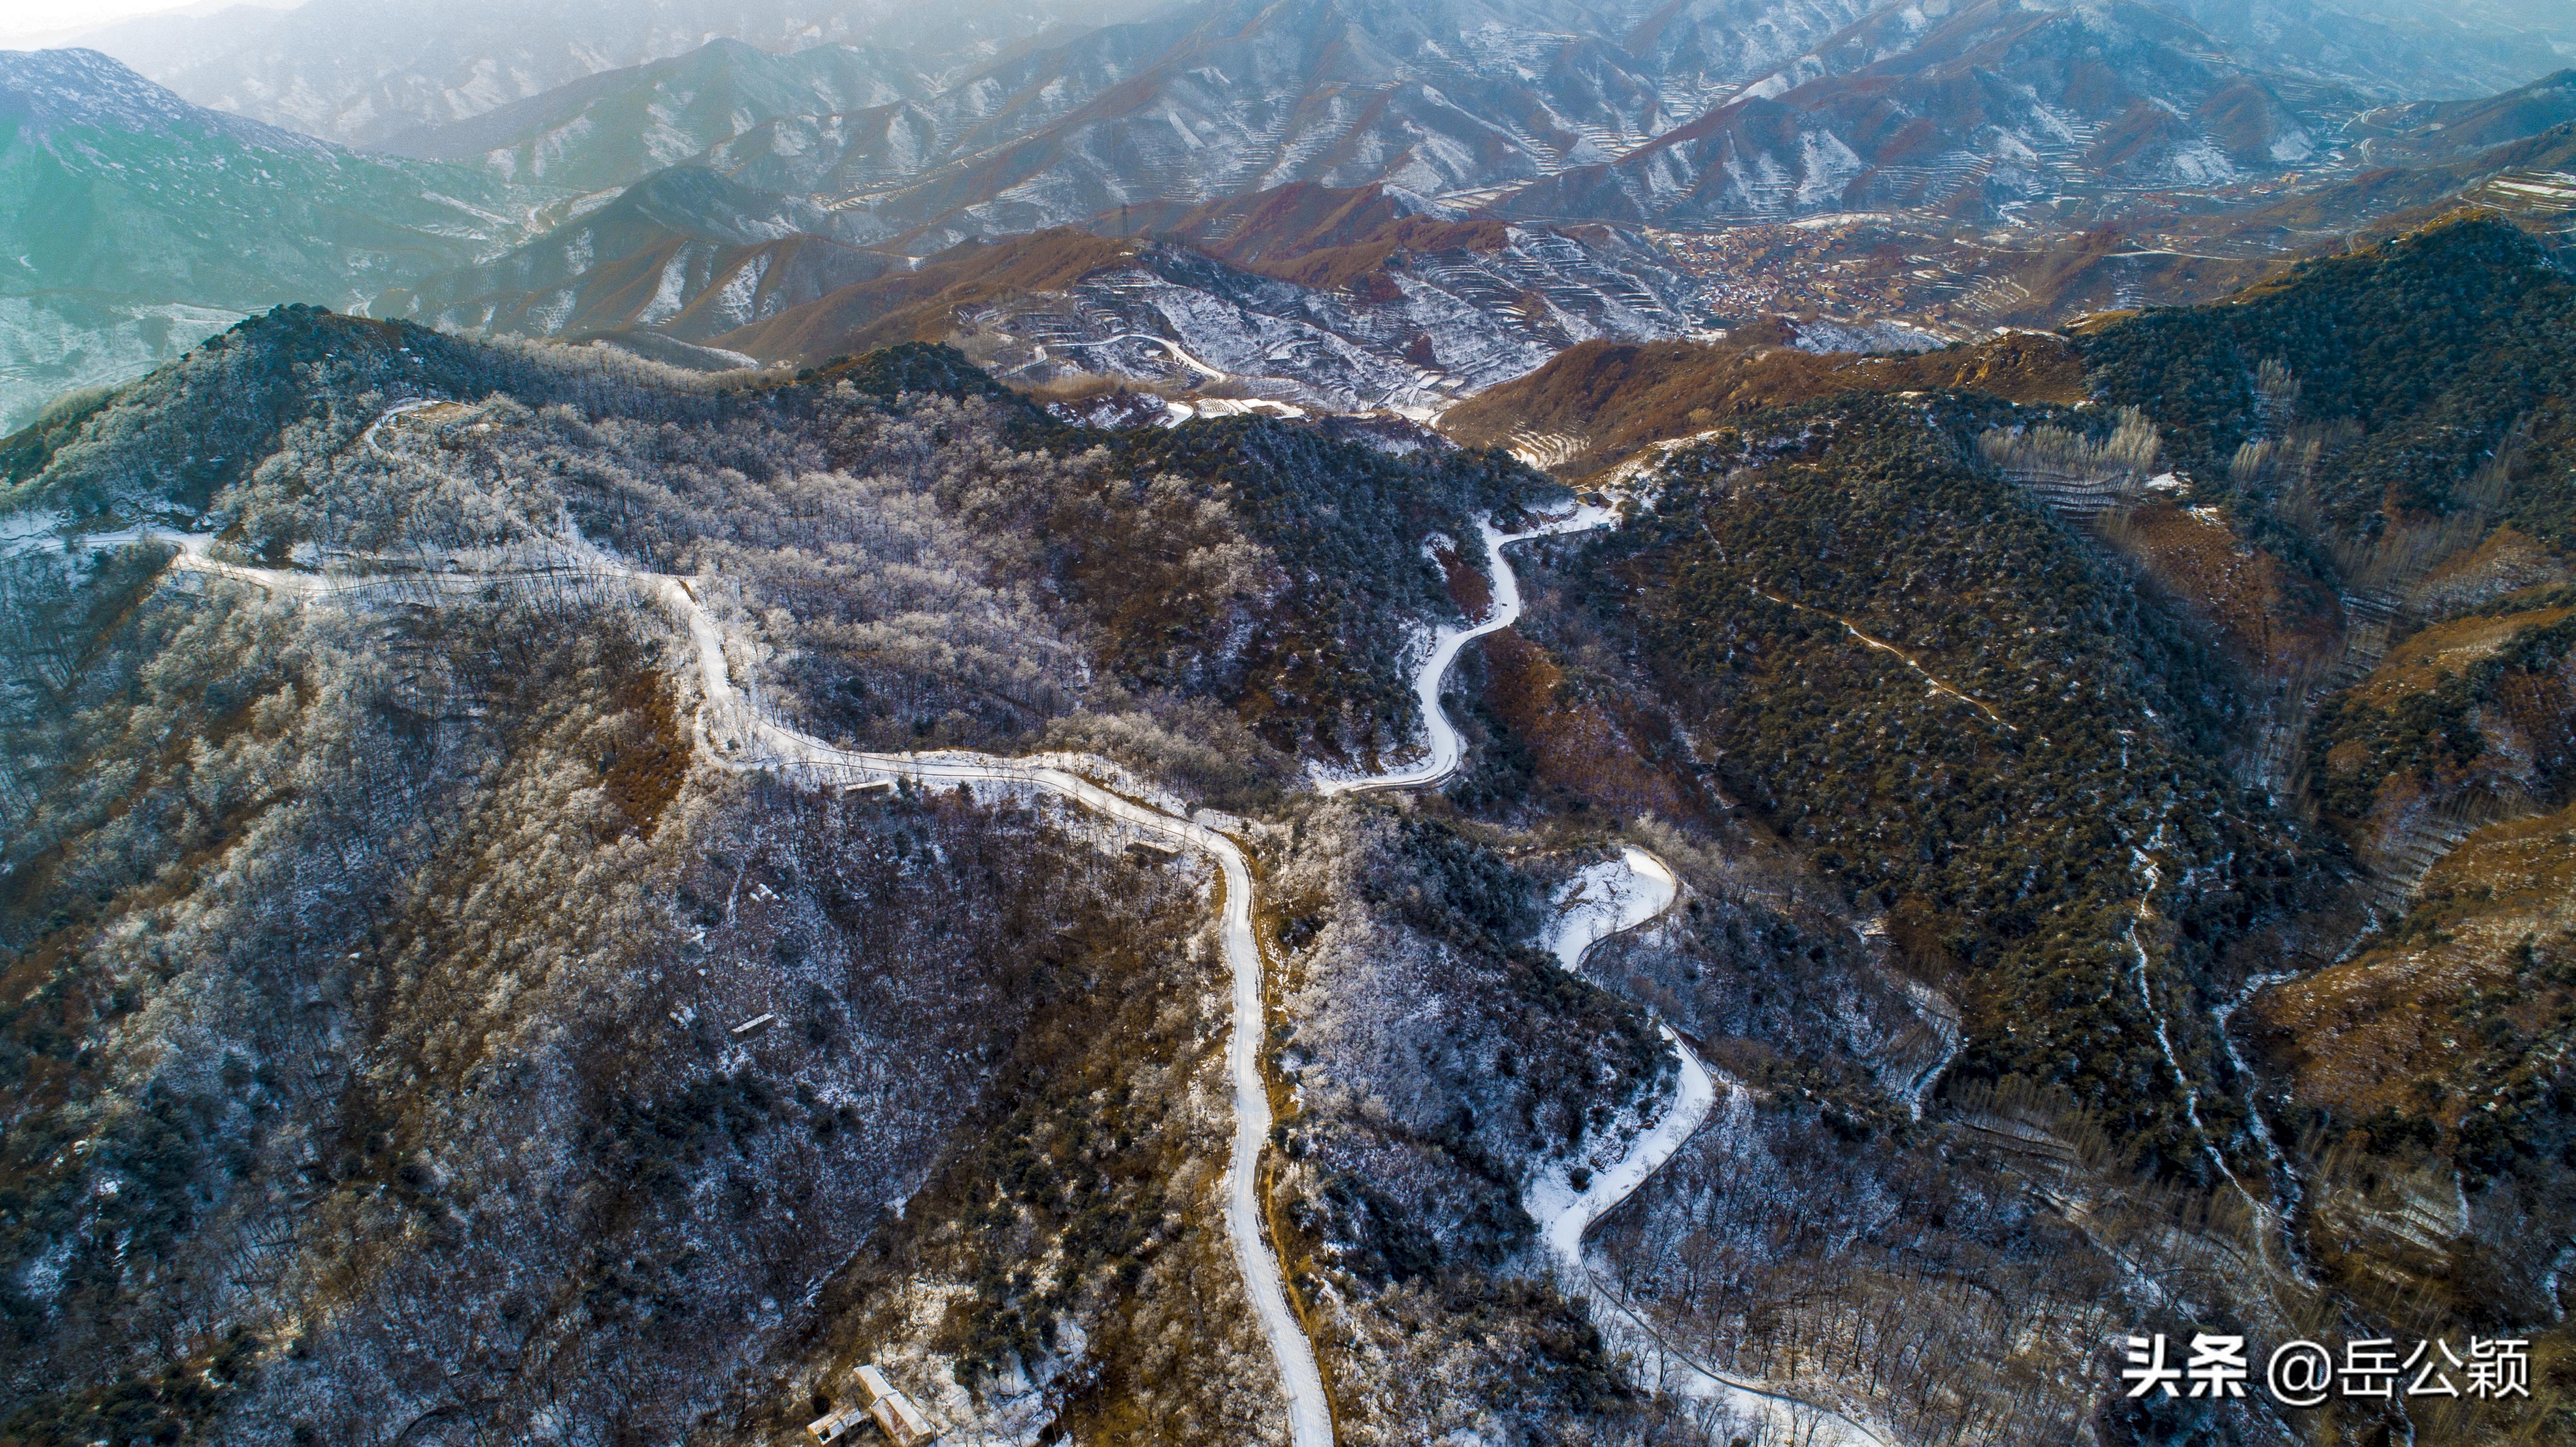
{"x":133,"y":222}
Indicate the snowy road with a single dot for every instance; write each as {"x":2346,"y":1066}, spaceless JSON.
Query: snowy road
{"x":734,"y":734}
{"x":1606,"y":899}
{"x":1603,"y":900}
{"x":368,"y":438}
{"x":1445,"y":748}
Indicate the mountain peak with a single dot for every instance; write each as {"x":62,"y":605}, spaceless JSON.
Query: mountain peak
{"x":78,"y":88}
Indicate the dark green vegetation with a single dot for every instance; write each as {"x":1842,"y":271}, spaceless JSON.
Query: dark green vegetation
{"x":2096,"y":761}
{"x":2050,"y":841}
{"x":1344,"y":526}
{"x":2449,"y":348}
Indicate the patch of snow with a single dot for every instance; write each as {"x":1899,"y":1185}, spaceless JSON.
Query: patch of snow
{"x":1604,"y":899}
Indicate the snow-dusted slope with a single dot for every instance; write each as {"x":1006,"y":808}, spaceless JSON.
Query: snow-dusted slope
{"x":1189,"y":103}
{"x":685,"y":251}
{"x":1433,"y":327}
{"x":364,"y":71}
{"x":1412,"y":314}
{"x":1972,"y":111}
{"x":132,"y":223}
{"x":735,"y":733}
{"x":615,"y":128}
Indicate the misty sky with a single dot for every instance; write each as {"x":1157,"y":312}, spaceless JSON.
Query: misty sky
{"x":39,"y":20}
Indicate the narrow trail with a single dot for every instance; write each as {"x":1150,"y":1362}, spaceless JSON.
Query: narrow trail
{"x":2271,"y":1218}
{"x":1938,"y":685}
{"x":1942,"y":1017}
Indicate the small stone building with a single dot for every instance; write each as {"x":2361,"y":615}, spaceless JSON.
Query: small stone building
{"x":897,"y":1417}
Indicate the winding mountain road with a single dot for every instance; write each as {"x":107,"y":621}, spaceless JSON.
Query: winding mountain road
{"x":1446,"y":749}
{"x":734,"y":734}
{"x":1607,"y":899}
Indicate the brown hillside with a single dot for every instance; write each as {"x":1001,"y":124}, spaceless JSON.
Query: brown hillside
{"x":1316,"y":236}
{"x":2358,"y":1037}
{"x":2267,"y":613}
{"x":1613,"y":399}
{"x":1280,"y":224}
{"x":916,"y":305}
{"x":1342,"y":265}
{"x":2443,"y":650}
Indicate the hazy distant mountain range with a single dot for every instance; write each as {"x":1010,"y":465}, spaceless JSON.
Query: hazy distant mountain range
{"x":823,"y":145}
{"x":364,"y":71}
{"x":367,"y":71}
{"x":132,"y":222}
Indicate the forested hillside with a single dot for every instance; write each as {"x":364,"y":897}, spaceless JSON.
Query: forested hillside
{"x":2240,"y":685}
{"x":405,"y":1023}
{"x":2112,"y":791}
{"x":2447,"y":349}
{"x":1969,"y":723}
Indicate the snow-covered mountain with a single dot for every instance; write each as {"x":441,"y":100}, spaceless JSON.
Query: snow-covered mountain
{"x":132,"y":222}
{"x":1441,"y":311}
{"x":1972,"y":110}
{"x":617,"y":127}
{"x":1339,"y":298}
{"x":1462,"y":98}
{"x":2397,"y":49}
{"x":685,"y":251}
{"x":366,"y":71}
